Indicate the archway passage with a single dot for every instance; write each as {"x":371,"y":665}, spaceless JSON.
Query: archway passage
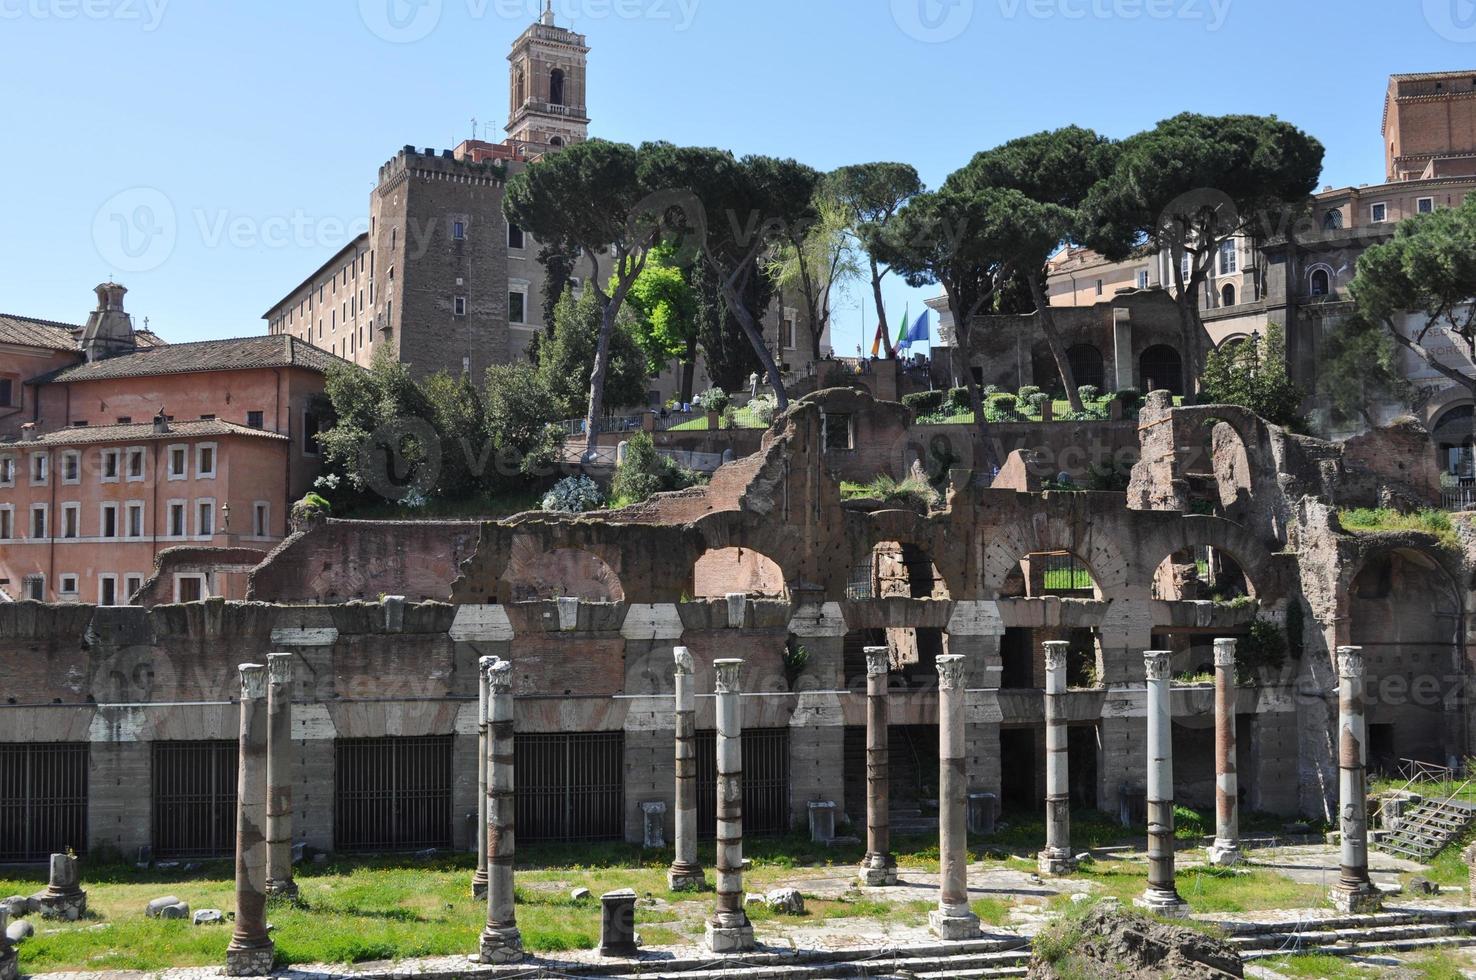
{"x":561,"y":573}
{"x":1058,"y":573}
{"x":1162,"y":369}
{"x":1451,"y":435}
{"x":724,"y":570}
{"x":1086,"y":365}
{"x":556,"y":86}
{"x":1201,"y":572}
{"x":896,"y":569}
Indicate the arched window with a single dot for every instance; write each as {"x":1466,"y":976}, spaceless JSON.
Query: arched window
{"x":1086,"y":365}
{"x":1162,"y":369}
{"x":1227,"y":295}
{"x":557,"y":141}
{"x":519,"y":93}
{"x":556,"y":86}
{"x":1333,"y":220}
{"x":1321,"y":284}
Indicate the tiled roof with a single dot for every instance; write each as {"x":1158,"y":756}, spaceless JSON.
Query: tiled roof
{"x":143,"y":432}
{"x":31,"y":332}
{"x":281,"y":350}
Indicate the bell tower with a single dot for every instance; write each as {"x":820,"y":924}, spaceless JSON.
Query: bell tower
{"x":546,"y":108}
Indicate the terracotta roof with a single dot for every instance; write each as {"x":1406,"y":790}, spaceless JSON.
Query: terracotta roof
{"x":142,"y":432}
{"x":31,"y":332}
{"x":281,"y":350}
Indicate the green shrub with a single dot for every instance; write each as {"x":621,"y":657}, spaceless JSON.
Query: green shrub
{"x":644,"y":472}
{"x":959,"y":397}
{"x":1039,"y":400}
{"x":1004,"y":399}
{"x":924,"y":402}
{"x":574,"y":495}
{"x":713,"y":400}
{"x":1131,"y":398}
{"x":1088,"y":393}
{"x":912,"y":492}
{"x":1027,"y":392}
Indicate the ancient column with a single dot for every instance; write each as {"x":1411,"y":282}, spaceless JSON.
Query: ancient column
{"x":479,"y":877}
{"x":1353,"y":891}
{"x":279,"y":775}
{"x":685,"y":873}
{"x":501,"y":941}
{"x":1226,"y":849}
{"x":952,"y":919}
{"x":1160,"y":896}
{"x":9,"y":961}
{"x":878,"y":867}
{"x":1056,"y":859}
{"x":251,"y":950}
{"x":729,"y":931}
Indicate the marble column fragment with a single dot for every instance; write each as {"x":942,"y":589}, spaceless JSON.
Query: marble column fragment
{"x":1161,"y":896}
{"x":501,"y":940}
{"x":952,"y":919}
{"x":729,"y":931}
{"x":1057,"y":858}
{"x":685,"y":873}
{"x":879,"y":866}
{"x":1353,"y":891}
{"x":251,"y":950}
{"x":479,"y":877}
{"x":279,"y":776}
{"x":1226,"y":849}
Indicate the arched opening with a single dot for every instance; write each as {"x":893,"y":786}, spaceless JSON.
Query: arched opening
{"x":1320,"y":283}
{"x":1162,"y":369}
{"x":1227,"y":294}
{"x":724,"y":570}
{"x":896,"y":569}
{"x":1406,"y":615}
{"x":1057,"y":573}
{"x":1332,"y":220}
{"x":1086,"y":365}
{"x":520,"y":92}
{"x":561,"y":573}
{"x":556,"y":142}
{"x":556,"y":86}
{"x":1451,"y":435}
{"x":1201,"y":572}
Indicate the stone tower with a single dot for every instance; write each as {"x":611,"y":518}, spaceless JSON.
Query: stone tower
{"x":546,"y":107}
{"x":109,"y":330}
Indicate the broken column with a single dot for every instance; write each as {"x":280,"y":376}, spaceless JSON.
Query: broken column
{"x":479,"y":877}
{"x":952,"y":919}
{"x":501,"y":941}
{"x":63,"y":897}
{"x":251,"y":950}
{"x":9,"y":961}
{"x":878,"y":867}
{"x":685,"y":873}
{"x":1353,"y":891}
{"x":1160,"y":897}
{"x":279,"y":775}
{"x":729,"y":931}
{"x":1056,"y":859}
{"x":1226,"y":849}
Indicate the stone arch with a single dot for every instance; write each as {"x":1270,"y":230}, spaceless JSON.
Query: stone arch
{"x":1095,"y":551}
{"x":1191,"y":531}
{"x":535,"y":573}
{"x":1451,"y":433}
{"x":556,"y":86}
{"x":1161,"y":368}
{"x":898,"y":569}
{"x":720,"y":571}
{"x":1087,"y":366}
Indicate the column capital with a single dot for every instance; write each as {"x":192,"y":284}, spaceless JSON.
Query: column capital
{"x":279,"y":667}
{"x":728,"y":672}
{"x":485,"y":663}
{"x":1224,"y":652}
{"x":1055,"y":654}
{"x":253,"y":681}
{"x":1350,"y":662}
{"x":878,"y":660}
{"x":1156,"y":663}
{"x":682,"y":657}
{"x":499,"y":677}
{"x":951,"y":671}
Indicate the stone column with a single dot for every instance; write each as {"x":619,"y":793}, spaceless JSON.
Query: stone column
{"x":1160,"y":896}
{"x":1353,"y":892}
{"x":1056,"y":859}
{"x":479,"y":877}
{"x":686,"y":871}
{"x":878,"y":867}
{"x":280,"y":774}
{"x":251,"y":950}
{"x":1226,"y":849}
{"x":729,"y":931}
{"x":63,"y":897}
{"x":501,"y":941}
{"x":952,"y":919}
{"x":9,"y":961}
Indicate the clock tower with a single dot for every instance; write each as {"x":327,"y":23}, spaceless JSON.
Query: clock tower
{"x":546,"y":86}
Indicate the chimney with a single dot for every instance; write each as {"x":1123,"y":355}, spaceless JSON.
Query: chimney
{"x":161,"y":423}
{"x":28,"y":432}
{"x":109,"y":330}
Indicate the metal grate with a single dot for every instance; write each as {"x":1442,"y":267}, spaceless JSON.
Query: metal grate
{"x":194,"y":799}
{"x":765,"y":782}
{"x":392,"y":794}
{"x":571,"y":787}
{"x":43,"y":799}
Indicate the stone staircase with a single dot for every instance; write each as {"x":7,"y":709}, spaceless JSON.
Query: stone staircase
{"x":1427,"y":828}
{"x":1396,"y":931}
{"x":909,"y":819}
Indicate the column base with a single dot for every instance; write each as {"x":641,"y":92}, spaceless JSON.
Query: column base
{"x":1360,"y":899}
{"x":1055,"y":863}
{"x":877,"y":871}
{"x":62,"y":905}
{"x":686,"y":878}
{"x":1224,"y":855}
{"x":953,"y":925}
{"x":1164,"y":903}
{"x":501,"y":946}
{"x":281,"y":889}
{"x":730,"y":934}
{"x":9,"y":965}
{"x":479,"y":884}
{"x":250,"y":961}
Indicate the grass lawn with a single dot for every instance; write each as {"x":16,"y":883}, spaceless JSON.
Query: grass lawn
{"x":745,"y":419}
{"x":1434,"y":522}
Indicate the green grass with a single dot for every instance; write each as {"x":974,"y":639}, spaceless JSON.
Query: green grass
{"x":1318,"y":967}
{"x":744,"y":419}
{"x":1371,"y":519}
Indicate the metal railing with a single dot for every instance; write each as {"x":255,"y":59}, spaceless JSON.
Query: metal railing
{"x":765,"y":782}
{"x":392,"y":794}
{"x":571,"y":787}
{"x":194,"y":799}
{"x":1413,"y":771}
{"x":43,"y":800}
{"x":1458,"y":498}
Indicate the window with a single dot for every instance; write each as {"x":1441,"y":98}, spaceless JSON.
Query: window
{"x":1424,"y":205}
{"x":1227,"y":295}
{"x":190,"y":588}
{"x":1099,"y":287}
{"x":1228,"y":258}
{"x":7,"y":393}
{"x":458,"y":306}
{"x":1142,"y":278}
{"x":7,"y":471}
{"x":71,"y":520}
{"x":179,"y":462}
{"x":786,"y":333}
{"x":71,"y":463}
{"x":517,"y":302}
{"x":204,"y":518}
{"x":310,"y":433}
{"x":1333,"y":220}
{"x":261,"y":523}
{"x":458,"y":230}
{"x":67,"y":585}
{"x":255,"y":420}
{"x":205,"y":461}
{"x":134,"y":521}
{"x":35,"y":588}
{"x":837,"y":429}
{"x":556,"y":86}
{"x":108,"y":521}
{"x":38,"y":521}
{"x":131,"y":585}
{"x":110,"y":462}
{"x":135,"y":465}
{"x":514,"y":237}
{"x":107,"y":590}
{"x":7,"y":523}
{"x":176,"y":518}
{"x":40,"y":469}
{"x":1321,"y":283}
{"x":1378,"y":213}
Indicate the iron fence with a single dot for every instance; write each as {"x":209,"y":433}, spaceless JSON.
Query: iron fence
{"x":765,"y":782}
{"x":43,"y":800}
{"x":194,"y":799}
{"x":1458,"y":498}
{"x":392,"y":794}
{"x":571,"y":787}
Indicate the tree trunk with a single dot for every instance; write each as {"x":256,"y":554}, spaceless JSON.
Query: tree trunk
{"x":881,"y":309}
{"x":756,"y":338}
{"x":1195,"y":337}
{"x":1053,"y":340}
{"x":689,"y":369}
{"x":988,"y":459}
{"x":597,"y":378}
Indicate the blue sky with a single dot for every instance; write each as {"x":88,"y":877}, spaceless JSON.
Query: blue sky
{"x":246,"y":135}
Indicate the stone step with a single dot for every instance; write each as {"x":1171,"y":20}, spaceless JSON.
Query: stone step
{"x":1363,"y":949}
{"x":1378,"y":936}
{"x":818,"y":967}
{"x":1432,"y":915}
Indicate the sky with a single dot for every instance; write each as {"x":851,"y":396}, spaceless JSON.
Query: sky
{"x":210,"y":154}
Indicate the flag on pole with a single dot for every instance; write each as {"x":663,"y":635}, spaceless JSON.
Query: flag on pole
{"x":918,"y":331}
{"x":881,"y":344}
